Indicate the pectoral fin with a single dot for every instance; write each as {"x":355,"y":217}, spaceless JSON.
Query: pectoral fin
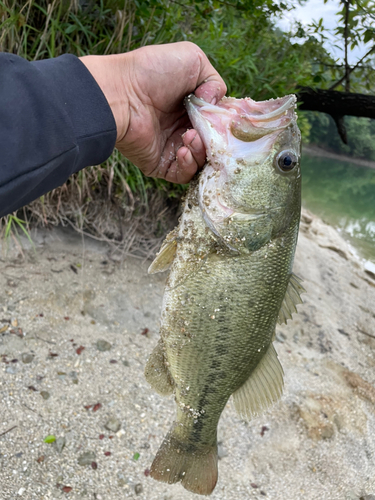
{"x":165,"y":256}
{"x":291,"y":299}
{"x":263,"y":388}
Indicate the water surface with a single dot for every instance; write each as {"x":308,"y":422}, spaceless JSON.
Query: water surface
{"x":343,"y":195}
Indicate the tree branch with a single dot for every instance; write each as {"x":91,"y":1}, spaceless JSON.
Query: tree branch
{"x":346,"y":34}
{"x":337,"y":104}
{"x":353,"y":68}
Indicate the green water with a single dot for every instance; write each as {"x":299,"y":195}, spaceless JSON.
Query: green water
{"x":343,"y":195}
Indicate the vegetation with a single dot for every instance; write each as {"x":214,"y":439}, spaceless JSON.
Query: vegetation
{"x":239,"y":36}
{"x":361,"y":133}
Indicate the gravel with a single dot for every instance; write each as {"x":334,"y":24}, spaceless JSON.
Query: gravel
{"x":318,"y":443}
{"x":103,"y":345}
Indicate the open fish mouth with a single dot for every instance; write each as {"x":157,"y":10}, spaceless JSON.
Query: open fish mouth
{"x":280,"y":105}
{"x":244,"y":119}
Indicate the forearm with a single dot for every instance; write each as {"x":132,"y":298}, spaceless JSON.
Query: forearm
{"x":54,"y":121}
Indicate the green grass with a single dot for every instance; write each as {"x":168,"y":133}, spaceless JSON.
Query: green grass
{"x":253,"y":56}
{"x":43,"y":29}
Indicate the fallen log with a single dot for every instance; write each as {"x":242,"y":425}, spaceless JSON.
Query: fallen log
{"x":337,"y":104}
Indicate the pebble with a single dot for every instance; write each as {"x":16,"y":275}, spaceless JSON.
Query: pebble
{"x":45,"y":394}
{"x":74,"y":376}
{"x":113,"y":424}
{"x":103,"y":345}
{"x":11,"y":369}
{"x":138,"y":488}
{"x":86,"y":458}
{"x":60,"y":444}
{"x":27,"y":357}
{"x":221,"y":451}
{"x":280,"y":337}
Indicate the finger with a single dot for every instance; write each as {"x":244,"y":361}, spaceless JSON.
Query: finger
{"x":184,"y":168}
{"x":193,"y":141}
{"x":212,"y":87}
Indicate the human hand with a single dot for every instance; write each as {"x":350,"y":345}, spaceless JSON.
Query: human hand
{"x":145,"y":89}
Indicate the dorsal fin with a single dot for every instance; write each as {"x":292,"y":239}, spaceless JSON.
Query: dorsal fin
{"x":165,"y":256}
{"x":263,"y":388}
{"x":291,"y":299}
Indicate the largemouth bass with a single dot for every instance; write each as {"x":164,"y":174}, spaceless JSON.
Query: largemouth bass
{"x":231,"y":280}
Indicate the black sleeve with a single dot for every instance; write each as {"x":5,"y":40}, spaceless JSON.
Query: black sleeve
{"x":54,"y":121}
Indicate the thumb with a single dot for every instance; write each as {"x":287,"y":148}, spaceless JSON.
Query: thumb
{"x":212,"y":88}
{"x":212,"y":91}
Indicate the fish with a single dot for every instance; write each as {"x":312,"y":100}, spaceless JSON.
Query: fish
{"x":230,"y":280}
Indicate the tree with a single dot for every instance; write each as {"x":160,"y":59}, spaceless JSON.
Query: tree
{"x":355,"y":28}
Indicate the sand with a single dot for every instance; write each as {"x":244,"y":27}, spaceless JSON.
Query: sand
{"x":59,"y":300}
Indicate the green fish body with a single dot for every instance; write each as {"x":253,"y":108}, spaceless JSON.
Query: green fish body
{"x":231,"y":280}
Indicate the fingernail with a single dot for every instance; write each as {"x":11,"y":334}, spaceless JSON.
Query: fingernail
{"x":189,"y":158}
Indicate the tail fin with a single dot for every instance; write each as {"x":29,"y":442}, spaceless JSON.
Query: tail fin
{"x":195,"y":468}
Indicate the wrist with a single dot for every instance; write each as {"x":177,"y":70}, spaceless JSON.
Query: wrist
{"x":109,"y":73}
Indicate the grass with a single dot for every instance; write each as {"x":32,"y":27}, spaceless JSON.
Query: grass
{"x":100,"y":199}
{"x":253,"y":56}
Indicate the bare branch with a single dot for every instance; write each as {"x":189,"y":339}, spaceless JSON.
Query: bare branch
{"x":352,"y":69}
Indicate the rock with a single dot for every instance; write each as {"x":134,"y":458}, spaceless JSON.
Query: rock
{"x":74,"y":376}
{"x":103,"y":345}
{"x":280,"y":337}
{"x":138,"y":488}
{"x":351,"y":495}
{"x":11,"y":369}
{"x":370,"y":269}
{"x":60,"y":444}
{"x":27,"y":357}
{"x":113,"y":424}
{"x":221,"y":451}
{"x":45,"y":394}
{"x":86,"y":458}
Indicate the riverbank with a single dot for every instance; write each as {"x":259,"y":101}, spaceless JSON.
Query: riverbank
{"x":77,"y":324}
{"x":313,"y":150}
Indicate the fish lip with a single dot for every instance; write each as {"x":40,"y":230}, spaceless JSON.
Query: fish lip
{"x":277,"y":113}
{"x":197,"y":101}
{"x":290,"y":103}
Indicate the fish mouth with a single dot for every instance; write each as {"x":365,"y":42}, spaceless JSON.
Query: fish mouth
{"x":243,"y":119}
{"x":286,"y":103}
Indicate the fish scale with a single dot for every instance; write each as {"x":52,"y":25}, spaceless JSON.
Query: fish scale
{"x":231,"y":280}
{"x":238,"y":334}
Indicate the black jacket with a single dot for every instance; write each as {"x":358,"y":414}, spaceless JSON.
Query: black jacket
{"x":54,"y":121}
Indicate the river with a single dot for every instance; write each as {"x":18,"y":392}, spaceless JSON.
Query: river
{"x":342,"y":194}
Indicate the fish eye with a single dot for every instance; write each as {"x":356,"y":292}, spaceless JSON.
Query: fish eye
{"x":286,"y":160}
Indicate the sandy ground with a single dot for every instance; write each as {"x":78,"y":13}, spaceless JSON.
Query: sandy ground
{"x":58,"y":301}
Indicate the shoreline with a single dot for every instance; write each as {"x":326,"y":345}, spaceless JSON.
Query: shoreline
{"x":314,"y":150}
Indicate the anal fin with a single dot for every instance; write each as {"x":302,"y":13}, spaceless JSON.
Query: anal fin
{"x":291,"y":299}
{"x":157,"y":373}
{"x":263,"y":388}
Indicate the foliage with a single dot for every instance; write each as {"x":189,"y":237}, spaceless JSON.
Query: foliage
{"x":355,"y":28}
{"x":361,"y":132}
{"x":239,"y":36}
